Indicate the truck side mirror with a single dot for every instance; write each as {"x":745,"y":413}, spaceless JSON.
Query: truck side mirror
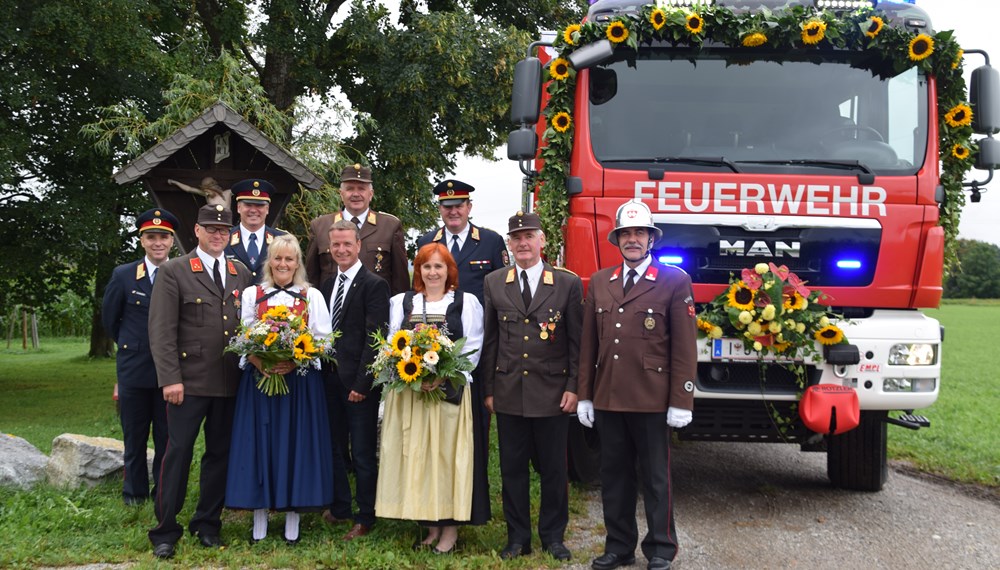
{"x":526,"y":97}
{"x":984,"y":95}
{"x":522,"y":143}
{"x":988,"y":157}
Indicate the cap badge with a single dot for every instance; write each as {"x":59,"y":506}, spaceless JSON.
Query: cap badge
{"x":157,"y":221}
{"x":357,"y":166}
{"x":450,"y":191}
{"x":255,"y":192}
{"x":256,"y":184}
{"x":157,"y":213}
{"x":450,"y":184}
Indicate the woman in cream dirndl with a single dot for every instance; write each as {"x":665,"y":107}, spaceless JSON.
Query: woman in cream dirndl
{"x":427,"y":470}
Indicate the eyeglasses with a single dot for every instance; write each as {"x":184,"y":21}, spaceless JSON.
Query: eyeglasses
{"x":211,"y":230}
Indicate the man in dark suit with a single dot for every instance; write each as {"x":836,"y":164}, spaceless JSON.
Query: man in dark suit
{"x":638,"y":362}
{"x":477,"y":251}
{"x":383,"y":251}
{"x":248,"y":241}
{"x":193,"y":313}
{"x":529,"y":366}
{"x":359,"y":306}
{"x":125,"y":314}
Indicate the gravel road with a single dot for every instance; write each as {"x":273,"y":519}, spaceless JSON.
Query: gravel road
{"x":771,"y":506}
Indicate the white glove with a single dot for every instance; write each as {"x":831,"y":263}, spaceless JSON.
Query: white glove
{"x":677,"y":417}
{"x":585,"y":413}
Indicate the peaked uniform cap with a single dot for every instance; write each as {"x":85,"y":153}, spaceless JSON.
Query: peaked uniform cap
{"x":157,"y":220}
{"x":216,"y":215}
{"x":523,"y":221}
{"x":452,"y":192}
{"x":253,"y":191}
{"x":356,"y":172}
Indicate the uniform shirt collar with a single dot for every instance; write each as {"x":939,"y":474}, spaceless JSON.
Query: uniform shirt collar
{"x":462,"y":235}
{"x":209,"y":263}
{"x":245,"y":236}
{"x":640,"y":270}
{"x":363,"y":216}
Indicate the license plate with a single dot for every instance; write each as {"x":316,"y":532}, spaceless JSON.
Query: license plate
{"x":733,"y":349}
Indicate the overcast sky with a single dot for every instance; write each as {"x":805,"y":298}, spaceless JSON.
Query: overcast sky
{"x":498,"y":184}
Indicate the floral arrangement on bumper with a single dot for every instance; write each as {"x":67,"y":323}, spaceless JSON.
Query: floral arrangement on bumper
{"x":278,"y":336}
{"x":798,"y":28}
{"x":772,"y":311}
{"x":411,"y":357}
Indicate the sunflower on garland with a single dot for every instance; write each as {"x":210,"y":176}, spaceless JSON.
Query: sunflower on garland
{"x":770,"y":309}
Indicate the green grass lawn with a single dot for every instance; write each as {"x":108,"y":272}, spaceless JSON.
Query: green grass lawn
{"x":56,"y":390}
{"x":962,"y":442}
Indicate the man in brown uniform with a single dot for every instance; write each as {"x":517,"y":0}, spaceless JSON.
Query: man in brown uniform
{"x":638,"y":361}
{"x":382,"y":249}
{"x":531,"y":348}
{"x":193,"y":313}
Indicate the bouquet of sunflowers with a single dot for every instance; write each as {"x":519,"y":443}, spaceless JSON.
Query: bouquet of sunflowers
{"x":278,"y":336}
{"x":770,"y":309}
{"x":411,"y":357}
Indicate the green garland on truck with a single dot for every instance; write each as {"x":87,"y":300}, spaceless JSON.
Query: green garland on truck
{"x":798,"y":28}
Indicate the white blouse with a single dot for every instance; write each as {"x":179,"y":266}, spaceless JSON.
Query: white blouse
{"x":472,"y":319}
{"x":319,"y":315}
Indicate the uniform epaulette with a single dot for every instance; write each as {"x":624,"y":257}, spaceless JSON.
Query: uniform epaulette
{"x":566,"y":270}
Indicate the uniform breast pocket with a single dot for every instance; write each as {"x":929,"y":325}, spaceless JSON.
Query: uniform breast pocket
{"x":481,"y":265}
{"x":602,"y":315}
{"x":196,"y":309}
{"x":652,"y":320}
{"x":508,"y":325}
{"x":137,"y":298}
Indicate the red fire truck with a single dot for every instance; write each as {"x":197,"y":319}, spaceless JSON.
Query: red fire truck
{"x":810,"y":155}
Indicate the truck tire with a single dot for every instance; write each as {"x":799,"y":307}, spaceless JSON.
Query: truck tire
{"x":856,"y":460}
{"x":583,"y":448}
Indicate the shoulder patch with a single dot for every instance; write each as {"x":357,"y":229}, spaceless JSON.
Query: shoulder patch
{"x":234,"y":238}
{"x":651,"y":273}
{"x":548,"y":278}
{"x":196,"y":266}
{"x":438,"y":235}
{"x":268,"y":237}
{"x":371,"y":218}
{"x":511,"y":275}
{"x":616,"y":274}
{"x":140,"y":270}
{"x":474,"y":234}
{"x":231,"y":267}
{"x":337,"y":217}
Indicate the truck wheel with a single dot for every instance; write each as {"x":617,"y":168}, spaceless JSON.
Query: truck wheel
{"x":856,"y":460}
{"x":584,"y":454}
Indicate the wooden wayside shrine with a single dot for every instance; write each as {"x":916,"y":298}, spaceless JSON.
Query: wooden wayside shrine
{"x":222,"y":145}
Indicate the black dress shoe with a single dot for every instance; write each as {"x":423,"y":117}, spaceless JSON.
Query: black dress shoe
{"x":514,"y":550}
{"x":291,"y":541}
{"x":658,"y":563}
{"x":610,"y":561}
{"x":210,"y":540}
{"x":558,"y":550}
{"x":163,"y":550}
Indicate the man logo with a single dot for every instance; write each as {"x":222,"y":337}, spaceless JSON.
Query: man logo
{"x":759,"y":248}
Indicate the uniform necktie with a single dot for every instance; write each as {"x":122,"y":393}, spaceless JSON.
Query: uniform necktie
{"x":454,"y":246}
{"x":338,"y":301}
{"x":217,"y":275}
{"x":152,"y":276}
{"x":252,"y":250}
{"x":356,"y":222}
{"x":525,"y":290}
{"x":630,"y":280}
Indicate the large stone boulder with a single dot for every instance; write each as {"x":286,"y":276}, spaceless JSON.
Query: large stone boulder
{"x":21,"y":464}
{"x":82,"y":460}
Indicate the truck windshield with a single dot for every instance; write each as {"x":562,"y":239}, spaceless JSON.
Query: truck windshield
{"x":763,"y":115}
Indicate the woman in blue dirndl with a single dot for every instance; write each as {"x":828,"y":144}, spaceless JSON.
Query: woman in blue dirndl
{"x":280,"y":454}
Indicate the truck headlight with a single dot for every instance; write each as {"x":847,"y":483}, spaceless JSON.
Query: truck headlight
{"x":913,"y":354}
{"x":909,"y":384}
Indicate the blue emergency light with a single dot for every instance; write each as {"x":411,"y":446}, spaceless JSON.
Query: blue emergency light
{"x":671,"y":259}
{"x":848,"y":264}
